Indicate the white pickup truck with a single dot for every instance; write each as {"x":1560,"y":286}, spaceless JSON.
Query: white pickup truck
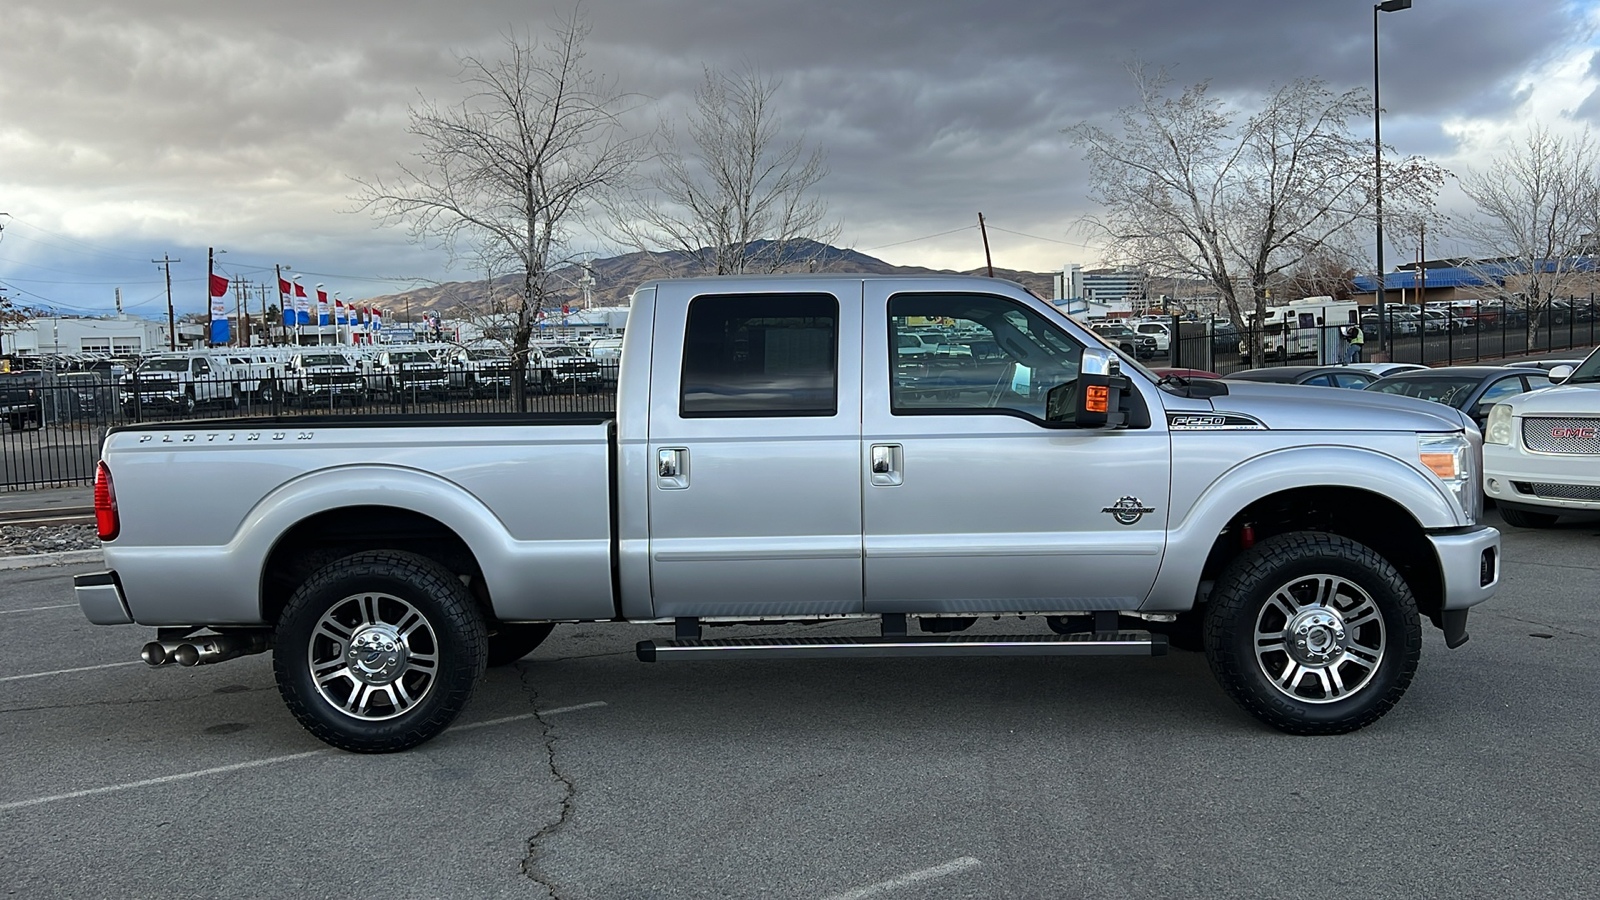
{"x":774,"y":460}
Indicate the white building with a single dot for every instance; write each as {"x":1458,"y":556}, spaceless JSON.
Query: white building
{"x":1111,"y":288}
{"x":114,"y":335}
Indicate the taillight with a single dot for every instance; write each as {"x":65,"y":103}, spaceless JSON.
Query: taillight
{"x":105,"y":504}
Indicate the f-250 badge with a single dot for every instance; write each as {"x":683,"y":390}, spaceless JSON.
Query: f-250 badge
{"x":1128,"y":510}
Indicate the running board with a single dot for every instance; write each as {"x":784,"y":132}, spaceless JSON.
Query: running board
{"x":1120,"y":643}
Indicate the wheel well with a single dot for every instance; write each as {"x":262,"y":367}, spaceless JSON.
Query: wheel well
{"x":1360,"y":515}
{"x":320,"y":539}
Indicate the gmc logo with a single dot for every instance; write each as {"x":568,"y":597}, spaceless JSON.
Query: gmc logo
{"x":1574,"y":432}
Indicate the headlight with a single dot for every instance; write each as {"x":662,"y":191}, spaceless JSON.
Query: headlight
{"x":1453,"y":460}
{"x":1498,"y":431}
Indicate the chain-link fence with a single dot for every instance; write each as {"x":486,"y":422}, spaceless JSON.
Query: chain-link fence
{"x":55,"y":422}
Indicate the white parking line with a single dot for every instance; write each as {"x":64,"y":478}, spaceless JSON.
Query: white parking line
{"x":255,"y":763}
{"x":910,"y":878}
{"x":37,"y":608}
{"x":134,"y":662}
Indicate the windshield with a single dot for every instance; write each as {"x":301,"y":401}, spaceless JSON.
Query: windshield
{"x":324,"y":359}
{"x":165,"y":365}
{"x":485,"y":354}
{"x":1588,"y":372}
{"x":1449,"y":391}
{"x":410,"y":356}
{"x":560,"y":351}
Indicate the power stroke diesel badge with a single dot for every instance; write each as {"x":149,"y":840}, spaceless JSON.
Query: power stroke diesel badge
{"x":1128,"y":510}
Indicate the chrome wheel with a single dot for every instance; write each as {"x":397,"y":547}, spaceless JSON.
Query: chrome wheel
{"x":373,"y":656}
{"x":1319,"y":639}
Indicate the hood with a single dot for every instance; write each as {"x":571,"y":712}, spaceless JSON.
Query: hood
{"x":1566,"y":399}
{"x":1298,"y":407}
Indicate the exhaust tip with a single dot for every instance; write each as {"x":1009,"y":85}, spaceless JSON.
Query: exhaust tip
{"x":186,"y":655}
{"x":154,"y":654}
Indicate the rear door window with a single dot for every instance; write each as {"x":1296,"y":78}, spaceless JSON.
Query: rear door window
{"x":761,"y":355}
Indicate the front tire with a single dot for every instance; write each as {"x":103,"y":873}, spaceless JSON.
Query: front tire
{"x":1313,"y":633}
{"x":379,"y":651}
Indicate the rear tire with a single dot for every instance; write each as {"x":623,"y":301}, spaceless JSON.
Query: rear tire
{"x":1313,"y":633}
{"x":1522,"y":518}
{"x":379,"y":651}
{"x":509,"y":642}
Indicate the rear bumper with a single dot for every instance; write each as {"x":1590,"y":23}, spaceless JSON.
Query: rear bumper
{"x":1469,"y":566}
{"x":100,"y":597}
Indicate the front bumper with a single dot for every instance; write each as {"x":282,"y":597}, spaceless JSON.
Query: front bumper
{"x":100,"y":597}
{"x":1507,"y":470}
{"x":1469,"y":566}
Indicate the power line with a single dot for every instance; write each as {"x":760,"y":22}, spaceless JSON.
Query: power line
{"x":926,"y":237}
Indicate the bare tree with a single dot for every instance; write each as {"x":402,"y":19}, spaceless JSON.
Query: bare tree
{"x":1536,"y":222}
{"x":503,"y":175}
{"x":1188,"y":193}
{"x":741,"y":202}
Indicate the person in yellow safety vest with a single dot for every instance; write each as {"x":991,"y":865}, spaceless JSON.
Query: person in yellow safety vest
{"x":1357,"y":338}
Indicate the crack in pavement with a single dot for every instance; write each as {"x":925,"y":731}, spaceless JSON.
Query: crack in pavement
{"x":530,"y":865}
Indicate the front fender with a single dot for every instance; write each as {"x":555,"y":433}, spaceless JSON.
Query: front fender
{"x":1192,"y":532}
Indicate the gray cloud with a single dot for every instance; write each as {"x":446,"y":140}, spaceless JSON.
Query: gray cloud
{"x":167,"y":126}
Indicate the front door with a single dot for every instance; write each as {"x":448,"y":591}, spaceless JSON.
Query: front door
{"x":754,"y":450}
{"x":972,"y":502}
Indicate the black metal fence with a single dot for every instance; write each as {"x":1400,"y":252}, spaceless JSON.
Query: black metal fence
{"x":55,"y":422}
{"x":1450,"y":335}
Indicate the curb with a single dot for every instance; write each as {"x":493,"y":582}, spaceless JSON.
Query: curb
{"x":60,"y":558}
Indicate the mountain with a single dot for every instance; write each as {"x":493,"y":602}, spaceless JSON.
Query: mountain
{"x":616,"y":277}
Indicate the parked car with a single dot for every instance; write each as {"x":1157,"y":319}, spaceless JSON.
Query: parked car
{"x":85,"y":394}
{"x":763,"y":468}
{"x":21,"y":400}
{"x":1319,"y":376}
{"x":1541,"y":450}
{"x":574,"y":370}
{"x":409,"y":371}
{"x":179,"y":382}
{"x":479,"y":371}
{"x":1544,"y":364}
{"x":1385,"y":369}
{"x":1471,"y":389}
{"x":323,"y":378}
{"x":1140,"y":346}
{"x":1157,"y":330}
{"x":1224,"y":337}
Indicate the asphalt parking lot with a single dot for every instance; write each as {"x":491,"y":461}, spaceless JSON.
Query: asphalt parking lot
{"x":581,"y":773}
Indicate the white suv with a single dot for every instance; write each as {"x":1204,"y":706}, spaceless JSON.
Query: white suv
{"x":1541,"y":450}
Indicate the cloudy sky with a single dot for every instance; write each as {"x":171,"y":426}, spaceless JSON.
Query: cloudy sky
{"x":136,"y":129}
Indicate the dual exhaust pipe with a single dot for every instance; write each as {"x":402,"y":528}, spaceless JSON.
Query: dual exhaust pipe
{"x":204,"y":649}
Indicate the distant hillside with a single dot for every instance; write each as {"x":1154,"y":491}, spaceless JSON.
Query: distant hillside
{"x":617,"y":276}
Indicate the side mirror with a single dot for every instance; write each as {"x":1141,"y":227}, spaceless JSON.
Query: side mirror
{"x":1483,"y":410}
{"x":1094,"y":399}
{"x":1560,"y":374}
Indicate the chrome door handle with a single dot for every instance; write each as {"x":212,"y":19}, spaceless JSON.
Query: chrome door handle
{"x":672,"y":469}
{"x":885,"y":465}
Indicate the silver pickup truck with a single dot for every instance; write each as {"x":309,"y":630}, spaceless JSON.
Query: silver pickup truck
{"x":774,"y":460}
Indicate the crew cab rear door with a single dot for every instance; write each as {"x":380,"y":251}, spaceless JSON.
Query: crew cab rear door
{"x":972,"y":502}
{"x":754,"y":448}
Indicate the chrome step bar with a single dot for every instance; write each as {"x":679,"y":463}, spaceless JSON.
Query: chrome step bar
{"x":1118,"y":643}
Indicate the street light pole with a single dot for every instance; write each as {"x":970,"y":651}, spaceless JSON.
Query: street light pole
{"x":1377,"y":162}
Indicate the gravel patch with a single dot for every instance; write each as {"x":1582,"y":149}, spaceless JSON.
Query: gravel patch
{"x":26,"y":540}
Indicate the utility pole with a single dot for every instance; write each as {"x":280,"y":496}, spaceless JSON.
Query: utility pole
{"x":241,"y":311}
{"x":172,"y":325}
{"x":211,"y":264}
{"x":266,"y":324}
{"x":985,"y":232}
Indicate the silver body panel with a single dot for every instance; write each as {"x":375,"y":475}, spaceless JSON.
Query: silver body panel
{"x":775,"y":516}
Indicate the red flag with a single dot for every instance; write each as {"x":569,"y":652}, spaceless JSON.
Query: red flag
{"x":322,"y":296}
{"x":299,"y":290}
{"x":283,"y":286}
{"x":219,"y":286}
